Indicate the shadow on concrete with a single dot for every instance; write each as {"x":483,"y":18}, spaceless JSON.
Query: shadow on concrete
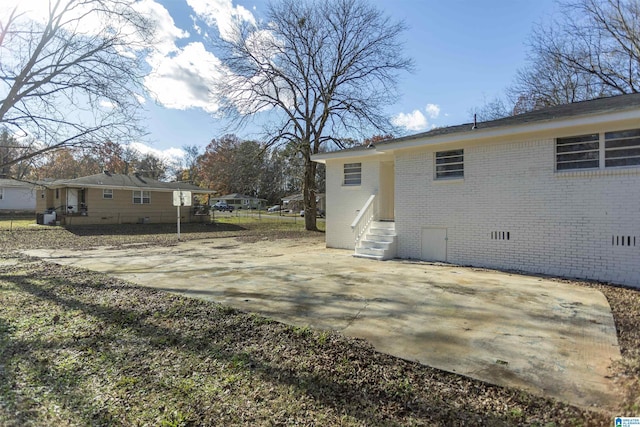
{"x":335,"y":379}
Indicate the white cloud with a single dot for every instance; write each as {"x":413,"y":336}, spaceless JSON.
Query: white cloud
{"x":166,"y":32}
{"x":107,"y":104}
{"x":86,"y":18}
{"x":414,"y":121}
{"x":184,"y":80}
{"x":433,"y":111}
{"x":221,"y":13}
{"x":171,"y":155}
{"x":196,"y":27}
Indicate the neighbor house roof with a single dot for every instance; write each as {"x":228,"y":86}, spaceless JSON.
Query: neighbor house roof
{"x":298,"y":197}
{"x":614,"y":107}
{"x":237,"y":196}
{"x":123,"y":182}
{"x":14,"y":183}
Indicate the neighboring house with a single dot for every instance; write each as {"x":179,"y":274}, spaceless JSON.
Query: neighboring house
{"x":554,"y":191}
{"x":241,"y":201}
{"x":110,"y":198}
{"x":295,"y":202}
{"x":17,"y":196}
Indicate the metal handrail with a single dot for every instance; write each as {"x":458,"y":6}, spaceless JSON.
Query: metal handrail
{"x":364,"y":218}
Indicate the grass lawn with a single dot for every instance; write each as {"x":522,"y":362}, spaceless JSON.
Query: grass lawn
{"x":8,"y":224}
{"x":83,"y":348}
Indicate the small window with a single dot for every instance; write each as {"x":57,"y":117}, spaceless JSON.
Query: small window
{"x":622,"y":148}
{"x":578,"y":152}
{"x":352,"y":174}
{"x":450,"y":164}
{"x":107,"y":193}
{"x":141,"y":197}
{"x":1,"y":193}
{"x":57,"y":193}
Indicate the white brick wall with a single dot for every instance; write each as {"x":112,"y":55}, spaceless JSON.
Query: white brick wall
{"x":559,"y":223}
{"x":344,"y":202}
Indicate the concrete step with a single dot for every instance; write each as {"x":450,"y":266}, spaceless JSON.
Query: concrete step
{"x":376,"y":244}
{"x":376,"y":252}
{"x":383,"y":224}
{"x":376,"y":257}
{"x":382,"y":231}
{"x":386,"y":238}
{"x":379,"y":242}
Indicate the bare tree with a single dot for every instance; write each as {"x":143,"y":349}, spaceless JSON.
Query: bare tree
{"x":317,"y":69}
{"x":592,"y":50}
{"x":70,"y":78}
{"x":152,"y":166}
{"x":491,"y":110}
{"x":189,"y":167}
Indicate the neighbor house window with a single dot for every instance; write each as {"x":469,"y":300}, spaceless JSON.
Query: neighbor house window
{"x":141,"y":197}
{"x":450,"y":164}
{"x":107,"y":193}
{"x":622,"y":148}
{"x":578,"y":152}
{"x":352,"y":174}
{"x":1,"y":193}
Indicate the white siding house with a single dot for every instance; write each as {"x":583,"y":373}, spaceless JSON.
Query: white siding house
{"x":556,"y":191}
{"x":17,"y":196}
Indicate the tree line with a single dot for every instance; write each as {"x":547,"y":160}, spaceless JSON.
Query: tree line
{"x":228,"y":164}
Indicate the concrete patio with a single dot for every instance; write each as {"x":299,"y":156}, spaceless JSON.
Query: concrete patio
{"x":548,"y":337}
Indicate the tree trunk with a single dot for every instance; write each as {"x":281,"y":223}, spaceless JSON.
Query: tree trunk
{"x":309,"y":193}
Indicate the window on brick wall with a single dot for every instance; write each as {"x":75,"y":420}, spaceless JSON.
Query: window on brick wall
{"x":578,"y":152}
{"x":141,"y":197}
{"x":352,"y":174}
{"x":622,"y":148}
{"x":450,"y":164}
{"x":619,"y":149}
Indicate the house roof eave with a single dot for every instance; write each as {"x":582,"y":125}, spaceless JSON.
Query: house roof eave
{"x":364,"y":152}
{"x":617,"y":111}
{"x":54,"y":185}
{"x":512,"y":131}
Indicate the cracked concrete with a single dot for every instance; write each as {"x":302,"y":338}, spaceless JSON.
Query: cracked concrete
{"x":551,"y":338}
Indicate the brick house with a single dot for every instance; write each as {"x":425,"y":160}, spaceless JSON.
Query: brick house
{"x":111,"y":198}
{"x":554,"y":191}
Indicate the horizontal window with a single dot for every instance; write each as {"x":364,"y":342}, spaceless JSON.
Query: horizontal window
{"x":141,"y":197}
{"x":107,"y":194}
{"x":450,"y":164}
{"x":622,"y":148}
{"x":578,"y":152}
{"x":352,"y":174}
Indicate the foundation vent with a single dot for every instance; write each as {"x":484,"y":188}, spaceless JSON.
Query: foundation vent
{"x":500,"y":235}
{"x":624,"y":241}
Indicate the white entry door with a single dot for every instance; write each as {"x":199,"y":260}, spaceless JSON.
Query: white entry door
{"x":434,"y":244}
{"x":72,"y":200}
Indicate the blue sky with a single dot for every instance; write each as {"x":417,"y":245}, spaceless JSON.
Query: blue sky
{"x":465,"y":53}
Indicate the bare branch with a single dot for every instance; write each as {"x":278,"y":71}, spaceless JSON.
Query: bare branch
{"x":592,"y":50}
{"x":62,"y":81}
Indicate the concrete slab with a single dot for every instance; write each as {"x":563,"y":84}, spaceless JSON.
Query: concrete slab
{"x":550,"y":338}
